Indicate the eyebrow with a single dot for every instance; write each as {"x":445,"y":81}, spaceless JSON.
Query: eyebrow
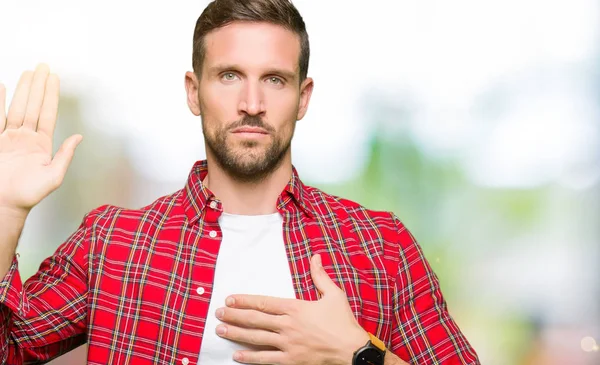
{"x":290,"y":75}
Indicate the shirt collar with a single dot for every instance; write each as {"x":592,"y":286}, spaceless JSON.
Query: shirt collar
{"x":196,"y":196}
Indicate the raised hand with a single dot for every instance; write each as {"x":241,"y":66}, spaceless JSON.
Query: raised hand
{"x":28,"y":171}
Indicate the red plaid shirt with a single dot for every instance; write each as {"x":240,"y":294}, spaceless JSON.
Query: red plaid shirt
{"x":128,"y":281}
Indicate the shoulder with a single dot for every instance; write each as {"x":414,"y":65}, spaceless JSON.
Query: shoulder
{"x":374,"y":228}
{"x":385,"y":224}
{"x":346,"y":211}
{"x":112,"y":216}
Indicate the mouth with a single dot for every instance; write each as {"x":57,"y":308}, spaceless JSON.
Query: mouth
{"x":250,"y":132}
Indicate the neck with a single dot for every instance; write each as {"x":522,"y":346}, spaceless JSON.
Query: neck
{"x":248,"y":198}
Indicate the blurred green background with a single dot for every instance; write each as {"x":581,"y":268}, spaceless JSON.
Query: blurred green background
{"x":477,"y":123}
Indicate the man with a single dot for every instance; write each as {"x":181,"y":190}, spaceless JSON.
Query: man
{"x":244,"y":263}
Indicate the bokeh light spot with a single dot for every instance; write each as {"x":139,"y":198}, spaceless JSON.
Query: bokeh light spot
{"x":588,"y":344}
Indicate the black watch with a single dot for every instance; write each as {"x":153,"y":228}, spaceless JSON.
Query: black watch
{"x":372,"y":353}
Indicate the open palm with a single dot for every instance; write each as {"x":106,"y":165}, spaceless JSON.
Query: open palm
{"x":28,"y":172}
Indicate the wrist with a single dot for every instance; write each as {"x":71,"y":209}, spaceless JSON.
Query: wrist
{"x":357,"y":340}
{"x":12,"y":222}
{"x":13,"y":214}
{"x":373,"y":352}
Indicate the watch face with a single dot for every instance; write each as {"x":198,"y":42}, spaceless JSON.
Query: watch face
{"x":369,"y":356}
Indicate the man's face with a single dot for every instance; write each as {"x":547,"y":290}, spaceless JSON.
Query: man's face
{"x":250,"y":97}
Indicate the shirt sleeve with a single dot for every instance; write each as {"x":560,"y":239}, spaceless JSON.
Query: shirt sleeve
{"x":423,"y":331}
{"x":47,"y":315}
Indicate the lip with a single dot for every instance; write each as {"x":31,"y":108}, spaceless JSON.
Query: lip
{"x":255,"y":130}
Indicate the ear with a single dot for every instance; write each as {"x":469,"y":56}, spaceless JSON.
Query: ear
{"x":191,"y":88}
{"x":305,"y":93}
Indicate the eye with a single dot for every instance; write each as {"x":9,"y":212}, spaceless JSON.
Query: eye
{"x":275,"y":80}
{"x":228,"y":76}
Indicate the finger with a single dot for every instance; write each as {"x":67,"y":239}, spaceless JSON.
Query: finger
{"x":63,"y":158}
{"x":249,"y":335}
{"x":36,"y":97}
{"x":261,"y":303}
{"x":49,"y":111}
{"x":259,"y":357}
{"x":249,"y":318}
{"x":18,"y":105}
{"x":2,"y":108}
{"x":322,"y":281}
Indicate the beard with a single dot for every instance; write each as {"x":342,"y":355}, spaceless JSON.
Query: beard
{"x":250,"y":163}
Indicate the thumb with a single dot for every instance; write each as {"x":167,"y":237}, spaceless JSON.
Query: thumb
{"x":320,"y":277}
{"x":64,"y":156}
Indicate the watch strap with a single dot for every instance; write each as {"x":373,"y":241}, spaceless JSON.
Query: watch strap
{"x":377,"y":342}
{"x":373,"y":344}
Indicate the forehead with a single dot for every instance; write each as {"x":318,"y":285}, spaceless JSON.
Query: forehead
{"x":251,"y":44}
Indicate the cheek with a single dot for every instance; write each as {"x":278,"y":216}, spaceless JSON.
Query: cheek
{"x":219,"y":102}
{"x":282,"y":106}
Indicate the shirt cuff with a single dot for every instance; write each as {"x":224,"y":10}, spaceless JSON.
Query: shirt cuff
{"x":11,"y":289}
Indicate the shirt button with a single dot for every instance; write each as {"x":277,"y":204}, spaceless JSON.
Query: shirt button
{"x":213,"y":204}
{"x":185,"y":361}
{"x":212,"y":234}
{"x":200,"y":290}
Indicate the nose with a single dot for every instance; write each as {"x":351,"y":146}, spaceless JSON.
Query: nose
{"x":252,"y":99}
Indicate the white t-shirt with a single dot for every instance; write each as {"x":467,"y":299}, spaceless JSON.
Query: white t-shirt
{"x":252,"y":260}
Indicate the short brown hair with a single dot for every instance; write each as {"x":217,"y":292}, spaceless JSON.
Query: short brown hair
{"x":219,"y":13}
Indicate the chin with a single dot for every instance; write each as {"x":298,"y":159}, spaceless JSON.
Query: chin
{"x":250,"y":160}
{"x":253,"y":150}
